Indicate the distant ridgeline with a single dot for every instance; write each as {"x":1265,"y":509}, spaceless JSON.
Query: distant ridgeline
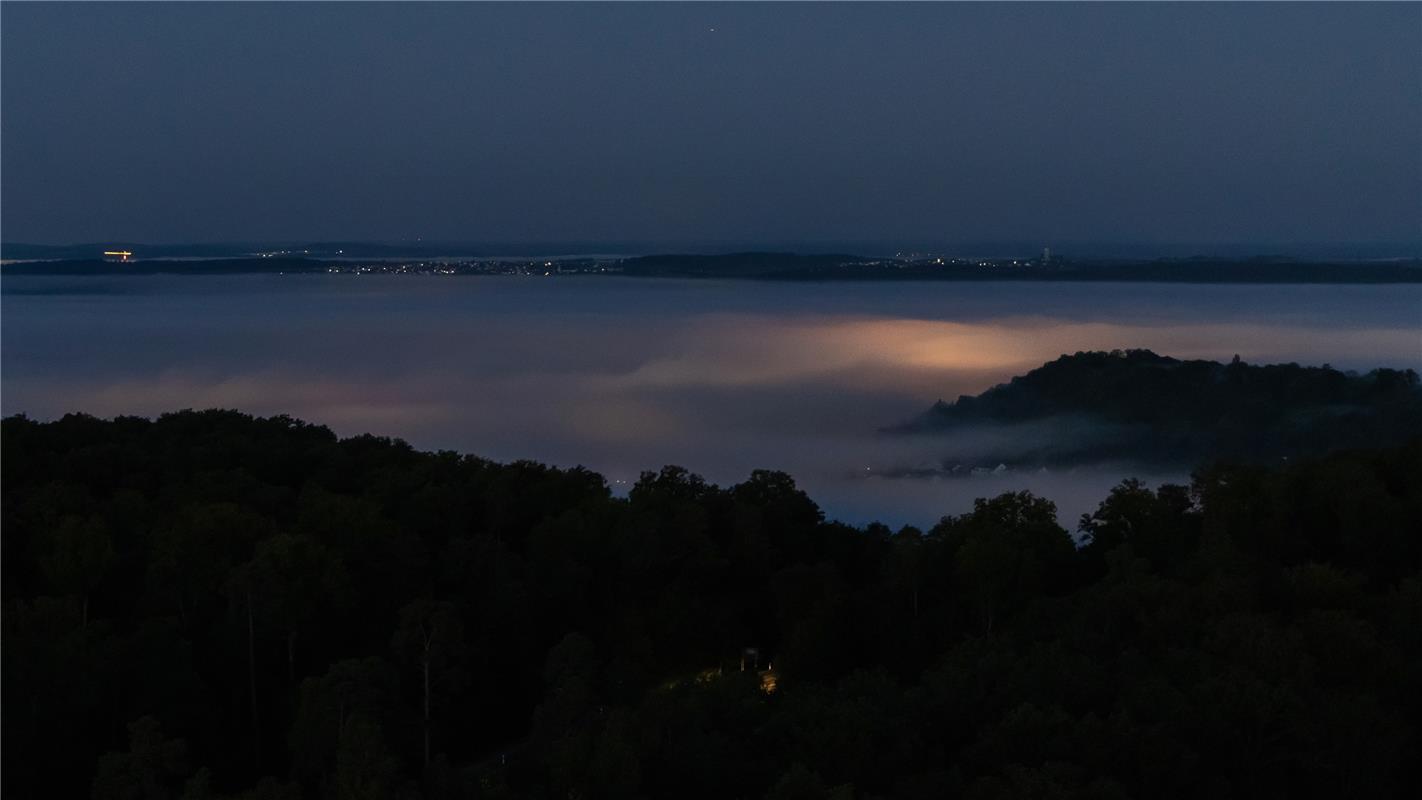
{"x":744,"y":266}
{"x":824,"y":267}
{"x":1136,"y":406}
{"x":162,"y":266}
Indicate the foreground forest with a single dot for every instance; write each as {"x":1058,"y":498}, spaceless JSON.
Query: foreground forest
{"x":211,"y":605}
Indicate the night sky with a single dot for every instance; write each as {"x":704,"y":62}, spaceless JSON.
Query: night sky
{"x":712,"y":123}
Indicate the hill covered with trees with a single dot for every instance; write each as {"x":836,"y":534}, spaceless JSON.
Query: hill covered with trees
{"x":1136,"y":406}
{"x":211,"y":605}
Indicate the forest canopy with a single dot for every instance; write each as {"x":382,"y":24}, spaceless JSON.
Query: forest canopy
{"x":214,"y":605}
{"x":1137,"y":407}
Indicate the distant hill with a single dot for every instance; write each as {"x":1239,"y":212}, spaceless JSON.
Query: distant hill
{"x":770,"y":266}
{"x":194,"y":267}
{"x":238,"y":250}
{"x":1137,"y":406}
{"x":842,"y":267}
{"x":741,"y":265}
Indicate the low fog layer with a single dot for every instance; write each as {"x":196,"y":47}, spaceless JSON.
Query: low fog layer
{"x":625,"y":375}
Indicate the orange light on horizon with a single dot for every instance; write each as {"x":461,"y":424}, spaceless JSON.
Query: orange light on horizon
{"x":123,"y":255}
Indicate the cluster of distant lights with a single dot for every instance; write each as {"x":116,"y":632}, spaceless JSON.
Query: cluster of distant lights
{"x":399,"y":269}
{"x":443,"y":268}
{"x":276,"y":253}
{"x":547,"y":268}
{"x":966,"y":262}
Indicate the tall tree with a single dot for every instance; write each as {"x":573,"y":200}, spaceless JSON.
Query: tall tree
{"x":78,"y":553}
{"x":430,"y":639}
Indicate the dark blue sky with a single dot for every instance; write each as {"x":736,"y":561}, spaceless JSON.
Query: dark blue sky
{"x":737,"y":123}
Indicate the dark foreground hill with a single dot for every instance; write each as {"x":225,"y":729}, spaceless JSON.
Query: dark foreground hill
{"x":210,"y":605}
{"x":1139,"y":407}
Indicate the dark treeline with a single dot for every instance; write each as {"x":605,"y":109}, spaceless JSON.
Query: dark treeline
{"x":245,"y":250}
{"x":797,"y":267}
{"x":773,"y":266}
{"x":211,"y":605}
{"x":193,"y":267}
{"x":1137,"y":406}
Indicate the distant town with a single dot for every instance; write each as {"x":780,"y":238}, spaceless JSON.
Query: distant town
{"x":920,"y":266}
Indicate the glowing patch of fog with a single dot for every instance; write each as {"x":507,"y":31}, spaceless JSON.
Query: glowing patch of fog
{"x":628,"y":375}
